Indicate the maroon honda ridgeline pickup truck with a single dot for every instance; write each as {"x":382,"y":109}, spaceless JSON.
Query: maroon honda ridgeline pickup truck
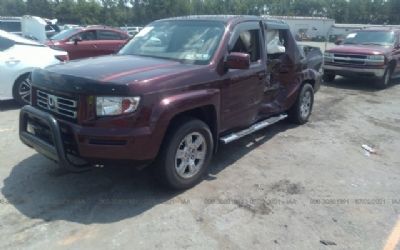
{"x":170,"y":96}
{"x":367,"y":53}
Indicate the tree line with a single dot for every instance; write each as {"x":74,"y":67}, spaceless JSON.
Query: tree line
{"x":141,"y":12}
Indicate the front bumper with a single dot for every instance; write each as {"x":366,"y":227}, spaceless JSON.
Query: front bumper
{"x":56,"y":150}
{"x":91,"y":145}
{"x":353,"y":71}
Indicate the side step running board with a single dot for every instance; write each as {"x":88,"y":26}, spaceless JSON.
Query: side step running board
{"x":255,"y":127}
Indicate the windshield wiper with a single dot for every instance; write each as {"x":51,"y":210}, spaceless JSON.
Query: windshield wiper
{"x":153,"y":56}
{"x":371,"y":43}
{"x":350,"y":43}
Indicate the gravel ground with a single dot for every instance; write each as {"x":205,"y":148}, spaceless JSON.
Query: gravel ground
{"x":286,"y":187}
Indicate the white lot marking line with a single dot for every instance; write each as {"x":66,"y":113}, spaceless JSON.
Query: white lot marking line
{"x":394,"y":237}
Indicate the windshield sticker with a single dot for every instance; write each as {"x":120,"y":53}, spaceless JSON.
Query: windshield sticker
{"x":202,"y":56}
{"x":352,"y":35}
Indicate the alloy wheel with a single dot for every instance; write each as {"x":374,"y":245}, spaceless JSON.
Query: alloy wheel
{"x":24,"y":90}
{"x":190,"y":155}
{"x":305,"y":106}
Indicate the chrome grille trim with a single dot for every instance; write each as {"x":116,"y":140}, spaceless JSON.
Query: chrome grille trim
{"x":350,"y":59}
{"x":57,"y":104}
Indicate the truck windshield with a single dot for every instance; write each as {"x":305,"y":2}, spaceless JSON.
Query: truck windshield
{"x":181,"y":40}
{"x":383,"y":38}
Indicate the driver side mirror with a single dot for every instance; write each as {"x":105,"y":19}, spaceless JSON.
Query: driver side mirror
{"x":77,"y":40}
{"x":338,"y":42}
{"x":238,"y":60}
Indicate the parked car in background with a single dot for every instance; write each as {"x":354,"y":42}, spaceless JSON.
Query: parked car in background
{"x":11,"y":24}
{"x":69,"y":26}
{"x":18,"y":57}
{"x":89,"y":41}
{"x":365,"y":53}
{"x":179,"y":88}
{"x":132,"y":31}
{"x":14,"y":25}
{"x":312,"y":55}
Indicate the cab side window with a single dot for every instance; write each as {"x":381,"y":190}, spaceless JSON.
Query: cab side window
{"x":275,"y":43}
{"x":249,"y":42}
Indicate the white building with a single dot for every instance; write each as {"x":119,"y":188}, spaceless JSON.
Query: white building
{"x":311,"y":28}
{"x":341,"y":29}
{"x":307,"y":27}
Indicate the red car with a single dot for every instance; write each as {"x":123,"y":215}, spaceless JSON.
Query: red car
{"x":89,"y":42}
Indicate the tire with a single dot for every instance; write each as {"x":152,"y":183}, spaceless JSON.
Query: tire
{"x":182,"y":163}
{"x":386,"y":79}
{"x":301,"y":110}
{"x":328,"y":77}
{"x":22,"y":89}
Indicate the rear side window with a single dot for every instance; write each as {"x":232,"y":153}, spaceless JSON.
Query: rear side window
{"x":5,"y":44}
{"x":52,"y":27}
{"x":109,"y":35}
{"x":10,"y":26}
{"x":49,"y":28}
{"x":85,"y":36}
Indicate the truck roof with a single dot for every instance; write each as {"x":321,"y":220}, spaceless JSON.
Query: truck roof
{"x":383,"y":28}
{"x":222,"y":18}
{"x":270,"y":23}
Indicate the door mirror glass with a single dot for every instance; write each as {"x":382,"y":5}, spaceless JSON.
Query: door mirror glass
{"x":238,"y":60}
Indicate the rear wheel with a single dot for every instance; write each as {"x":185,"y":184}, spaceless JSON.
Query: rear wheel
{"x":302,"y":108}
{"x":185,"y":155}
{"x":385,"y":81}
{"x":22,"y":89}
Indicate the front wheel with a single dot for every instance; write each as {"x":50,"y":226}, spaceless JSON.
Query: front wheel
{"x":186,"y":154}
{"x":385,"y":81}
{"x":22,"y":89}
{"x":302,"y":108}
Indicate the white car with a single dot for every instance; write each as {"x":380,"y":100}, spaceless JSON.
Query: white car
{"x":18,"y":57}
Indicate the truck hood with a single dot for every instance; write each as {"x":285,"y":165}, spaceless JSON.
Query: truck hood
{"x":116,"y":73}
{"x":360,"y":49}
{"x":120,"y":69}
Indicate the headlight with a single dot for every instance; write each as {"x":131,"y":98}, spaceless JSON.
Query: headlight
{"x":329,"y":57}
{"x":113,"y":105}
{"x":376,"y":59}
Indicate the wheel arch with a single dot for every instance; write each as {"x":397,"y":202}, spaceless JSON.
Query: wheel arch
{"x":199,"y":104}
{"x":207,"y":114}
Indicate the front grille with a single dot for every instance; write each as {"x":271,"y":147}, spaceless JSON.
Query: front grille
{"x":350,"y":59}
{"x":60,"y":105}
